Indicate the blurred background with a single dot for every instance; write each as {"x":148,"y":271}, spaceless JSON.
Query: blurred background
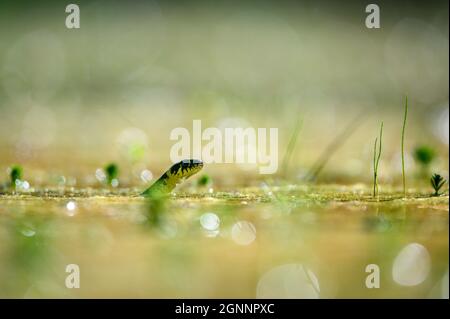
{"x":73,"y":99}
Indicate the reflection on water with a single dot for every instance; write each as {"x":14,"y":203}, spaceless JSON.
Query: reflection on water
{"x":289,"y":281}
{"x":243,"y":233}
{"x":210,"y":221}
{"x":412,"y":265}
{"x":71,"y":206}
{"x":288,"y":247}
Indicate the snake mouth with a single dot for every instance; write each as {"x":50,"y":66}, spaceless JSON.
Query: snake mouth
{"x":193,"y":163}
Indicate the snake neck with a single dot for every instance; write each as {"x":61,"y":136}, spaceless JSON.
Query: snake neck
{"x":163,"y":185}
{"x":170,"y":179}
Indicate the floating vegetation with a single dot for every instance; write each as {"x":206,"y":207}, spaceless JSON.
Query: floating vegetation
{"x":437,"y":181}
{"x":376,"y":160}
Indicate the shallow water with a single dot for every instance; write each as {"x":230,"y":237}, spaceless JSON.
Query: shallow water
{"x":288,"y":242}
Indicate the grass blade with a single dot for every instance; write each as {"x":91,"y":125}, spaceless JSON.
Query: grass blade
{"x":403,"y":146}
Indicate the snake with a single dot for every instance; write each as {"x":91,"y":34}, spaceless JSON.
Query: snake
{"x":175,"y":175}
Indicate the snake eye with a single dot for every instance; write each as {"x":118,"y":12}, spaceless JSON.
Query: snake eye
{"x":187,"y":165}
{"x":196,"y":163}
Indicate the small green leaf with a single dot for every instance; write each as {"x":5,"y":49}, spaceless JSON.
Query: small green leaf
{"x":112,"y":171}
{"x":424,"y":155}
{"x":204,"y":180}
{"x":15,"y":174}
{"x":437,"y":181}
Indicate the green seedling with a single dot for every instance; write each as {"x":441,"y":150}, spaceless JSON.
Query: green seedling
{"x":335,"y":144}
{"x":112,"y":171}
{"x":204,"y":180}
{"x":403,"y":146}
{"x":424,"y":155}
{"x":376,"y":160}
{"x":291,"y":146}
{"x":437,"y":181}
{"x":15,"y":174}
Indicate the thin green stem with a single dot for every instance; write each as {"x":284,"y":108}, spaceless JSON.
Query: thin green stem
{"x":335,"y":145}
{"x":376,"y":160}
{"x":379,"y":154}
{"x":375,"y":166}
{"x":291,"y":146}
{"x":403,"y":146}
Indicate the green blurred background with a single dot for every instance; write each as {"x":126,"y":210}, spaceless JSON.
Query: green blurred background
{"x":72,"y":99}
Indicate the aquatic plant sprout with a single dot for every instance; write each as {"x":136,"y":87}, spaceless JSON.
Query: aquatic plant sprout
{"x":335,"y":144}
{"x":112,"y":171}
{"x":376,"y":160}
{"x":403,"y":146}
{"x":437,"y":181}
{"x":15,"y":175}
{"x":424,"y":155}
{"x":291,"y":145}
{"x":204,"y":180}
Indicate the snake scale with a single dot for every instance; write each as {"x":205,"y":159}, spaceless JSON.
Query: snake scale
{"x":174,"y":176}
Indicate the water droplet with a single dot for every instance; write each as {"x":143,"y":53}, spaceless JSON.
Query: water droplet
{"x":114,"y":182}
{"x":243,"y":233}
{"x":210,"y":221}
{"x":25,"y":185}
{"x":71,"y":206}
{"x":61,"y":180}
{"x":146,"y":176}
{"x":28,"y":232}
{"x":100,"y":175}
{"x":412,"y":265}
